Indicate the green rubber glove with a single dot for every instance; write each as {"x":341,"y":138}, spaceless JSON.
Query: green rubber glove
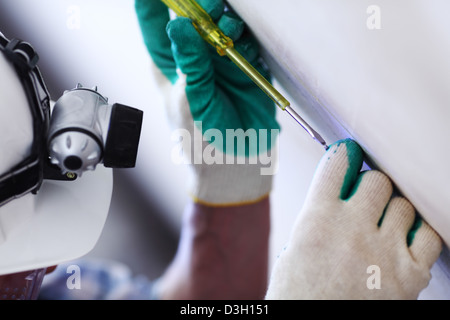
{"x":211,"y":101}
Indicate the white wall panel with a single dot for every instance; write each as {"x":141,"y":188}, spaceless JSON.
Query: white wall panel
{"x":388,"y":87}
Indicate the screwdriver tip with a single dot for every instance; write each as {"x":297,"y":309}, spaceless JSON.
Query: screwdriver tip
{"x":306,"y":126}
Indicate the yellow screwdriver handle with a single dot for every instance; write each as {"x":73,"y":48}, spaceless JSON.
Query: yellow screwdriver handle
{"x":223,"y":44}
{"x":202,"y":22}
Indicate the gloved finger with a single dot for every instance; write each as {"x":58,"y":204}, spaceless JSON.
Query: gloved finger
{"x":338,"y":170}
{"x":371,"y":191}
{"x":397,"y":219}
{"x":153,"y":16}
{"x":236,"y":81}
{"x":213,"y":7}
{"x":231,"y":25}
{"x":248,"y":47}
{"x":190,"y":51}
{"x":193,"y":59}
{"x":425,"y":243}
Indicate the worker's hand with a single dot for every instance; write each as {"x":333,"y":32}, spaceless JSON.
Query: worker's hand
{"x":352,"y":239}
{"x":212,"y":101}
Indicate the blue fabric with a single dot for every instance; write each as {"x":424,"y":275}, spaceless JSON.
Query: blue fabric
{"x":97,"y":280}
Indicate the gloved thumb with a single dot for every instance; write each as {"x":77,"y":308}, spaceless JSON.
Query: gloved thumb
{"x":338,"y":170}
